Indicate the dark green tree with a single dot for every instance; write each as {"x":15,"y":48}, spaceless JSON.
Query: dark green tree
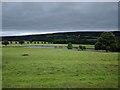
{"x":44,"y":42}
{"x":16,"y":42}
{"x":21,"y":42}
{"x":118,"y":45}
{"x":5,"y":42}
{"x":98,"y":46}
{"x":69,"y":46}
{"x":106,"y":41}
{"x":37,"y":42}
{"x":82,"y":47}
{"x":10,"y":42}
{"x":31,"y":41}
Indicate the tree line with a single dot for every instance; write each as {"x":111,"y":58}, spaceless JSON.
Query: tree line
{"x":107,"y":41}
{"x":60,"y":38}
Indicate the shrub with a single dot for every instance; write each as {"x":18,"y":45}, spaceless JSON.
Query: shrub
{"x":5,"y":42}
{"x":21,"y":42}
{"x":44,"y":42}
{"x":31,"y":41}
{"x":82,"y":47}
{"x":16,"y":42}
{"x":10,"y":42}
{"x":38,"y":42}
{"x":69,"y":46}
{"x":25,"y":54}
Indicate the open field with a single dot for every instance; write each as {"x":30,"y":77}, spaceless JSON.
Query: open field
{"x":25,"y":44}
{"x":44,"y":67}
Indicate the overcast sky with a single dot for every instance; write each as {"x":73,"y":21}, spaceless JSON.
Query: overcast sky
{"x":21,"y":18}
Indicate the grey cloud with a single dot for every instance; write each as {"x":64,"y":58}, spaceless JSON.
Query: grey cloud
{"x":59,"y":16}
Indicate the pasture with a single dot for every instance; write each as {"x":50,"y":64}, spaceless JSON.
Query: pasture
{"x":58,"y":68}
{"x":40,"y":44}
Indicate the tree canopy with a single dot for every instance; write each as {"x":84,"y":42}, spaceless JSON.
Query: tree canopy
{"x":106,"y":41}
{"x":21,"y":42}
{"x":5,"y":42}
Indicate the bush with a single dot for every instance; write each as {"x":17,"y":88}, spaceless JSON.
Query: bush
{"x":82,"y":47}
{"x":38,"y":42}
{"x":69,"y":46}
{"x":16,"y":42}
{"x":44,"y":42}
{"x":10,"y":42}
{"x":21,"y":42}
{"x":31,"y":41}
{"x":25,"y":54}
{"x":5,"y":42}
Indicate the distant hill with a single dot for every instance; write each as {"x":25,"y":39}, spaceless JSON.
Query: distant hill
{"x":61,"y":38}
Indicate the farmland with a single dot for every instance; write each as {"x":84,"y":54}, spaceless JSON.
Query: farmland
{"x":64,"y":45}
{"x":55,"y":68}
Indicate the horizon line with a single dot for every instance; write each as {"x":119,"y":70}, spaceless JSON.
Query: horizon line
{"x":41,"y":33}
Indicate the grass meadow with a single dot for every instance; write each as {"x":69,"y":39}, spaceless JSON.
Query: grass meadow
{"x":58,"y":68}
{"x":40,"y":44}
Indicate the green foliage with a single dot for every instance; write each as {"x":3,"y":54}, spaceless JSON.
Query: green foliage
{"x":106,"y":41}
{"x":82,"y":47}
{"x":118,"y":45}
{"x":44,"y":42}
{"x":38,"y":42}
{"x":31,"y":41}
{"x":28,"y":42}
{"x":16,"y":42}
{"x":34,"y":42}
{"x":61,"y":38}
{"x":21,"y":42}
{"x":10,"y":42}
{"x":5,"y":42}
{"x":69,"y":46}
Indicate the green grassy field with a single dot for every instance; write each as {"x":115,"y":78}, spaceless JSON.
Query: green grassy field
{"x":57,"y":68}
{"x":32,"y":44}
{"x":25,"y":44}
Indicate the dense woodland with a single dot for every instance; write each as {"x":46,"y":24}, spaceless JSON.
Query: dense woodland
{"x":61,"y":38}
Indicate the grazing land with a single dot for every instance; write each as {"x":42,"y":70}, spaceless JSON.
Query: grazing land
{"x":63,"y":45}
{"x":54,"y":68}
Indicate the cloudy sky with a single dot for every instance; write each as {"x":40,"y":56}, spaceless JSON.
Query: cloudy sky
{"x":21,"y":18}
